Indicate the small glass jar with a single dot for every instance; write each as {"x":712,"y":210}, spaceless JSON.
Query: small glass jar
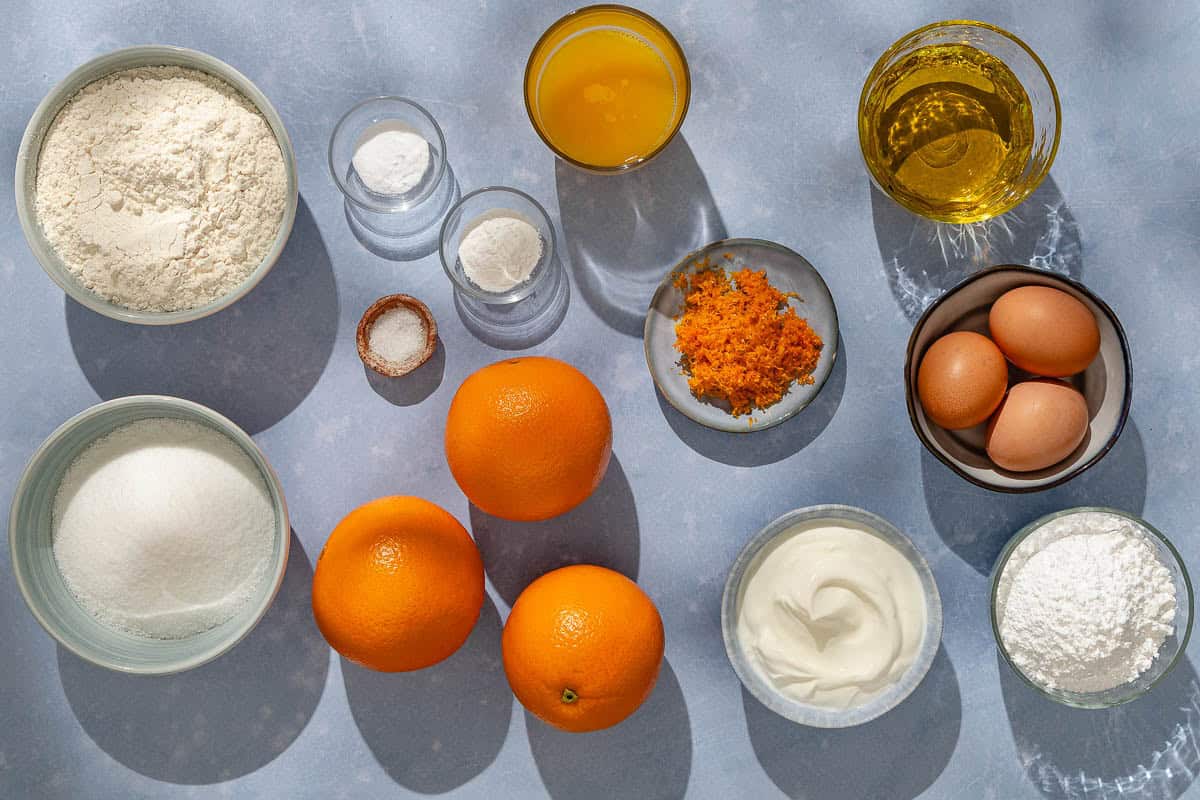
{"x":488,"y":202}
{"x":392,"y":215}
{"x":525,"y":308}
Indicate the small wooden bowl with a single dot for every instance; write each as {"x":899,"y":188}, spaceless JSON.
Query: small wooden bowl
{"x":394,"y":369}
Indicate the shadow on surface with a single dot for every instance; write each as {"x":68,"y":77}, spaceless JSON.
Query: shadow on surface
{"x":898,"y":755}
{"x":434,"y":729}
{"x":523,"y":324}
{"x":602,"y":530}
{"x":254,"y":362}
{"x":923,"y":258}
{"x":625,"y":232}
{"x":410,"y":246}
{"x":1148,"y":748}
{"x":756,"y":448}
{"x":410,"y":389}
{"x":219,"y":721}
{"x":976,"y":523}
{"x":646,"y":757}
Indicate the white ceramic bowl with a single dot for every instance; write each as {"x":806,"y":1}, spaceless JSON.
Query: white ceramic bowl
{"x":760,"y":687}
{"x":1106,"y":384}
{"x":32,"y":552}
{"x":31,"y":146}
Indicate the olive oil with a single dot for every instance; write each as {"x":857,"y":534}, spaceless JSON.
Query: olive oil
{"x":947,"y":131}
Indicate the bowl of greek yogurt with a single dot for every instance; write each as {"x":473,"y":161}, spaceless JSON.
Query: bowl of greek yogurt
{"x":831,"y":616}
{"x":1091,"y":606}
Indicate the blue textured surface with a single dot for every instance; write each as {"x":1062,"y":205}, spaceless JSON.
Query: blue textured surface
{"x":769,"y":149}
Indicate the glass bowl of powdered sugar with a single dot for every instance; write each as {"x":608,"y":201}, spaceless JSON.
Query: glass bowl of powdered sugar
{"x":148,"y":535}
{"x":1091,"y":606}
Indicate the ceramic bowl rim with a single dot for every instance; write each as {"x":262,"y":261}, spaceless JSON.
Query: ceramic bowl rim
{"x":794,"y":710}
{"x":666,"y":284}
{"x":1078,"y":469}
{"x":1079,"y":699}
{"x":224,"y":426}
{"x":117,"y":61}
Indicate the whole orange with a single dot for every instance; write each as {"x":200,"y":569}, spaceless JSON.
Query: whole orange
{"x":398,"y":585}
{"x":528,"y":438}
{"x":582,"y":647}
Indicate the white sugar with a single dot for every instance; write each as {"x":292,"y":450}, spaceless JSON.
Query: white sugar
{"x":398,"y":335}
{"x":163,"y":528}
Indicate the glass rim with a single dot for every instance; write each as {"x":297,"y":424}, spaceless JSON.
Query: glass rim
{"x":670,"y":137}
{"x":519,"y":292}
{"x":367,"y":203}
{"x":898,"y":44}
{"x":1083,"y":699}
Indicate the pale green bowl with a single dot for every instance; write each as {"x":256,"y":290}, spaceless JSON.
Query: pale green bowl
{"x":25,"y":180}
{"x":32,"y":554}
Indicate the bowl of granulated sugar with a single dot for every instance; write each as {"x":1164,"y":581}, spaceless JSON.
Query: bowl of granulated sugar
{"x":396,"y":335}
{"x":156,"y":185}
{"x":149,"y":535}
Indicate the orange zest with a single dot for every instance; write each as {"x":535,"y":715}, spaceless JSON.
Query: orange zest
{"x":740,"y":341}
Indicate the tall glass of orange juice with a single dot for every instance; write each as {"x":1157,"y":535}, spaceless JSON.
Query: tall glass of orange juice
{"x":607,"y":88}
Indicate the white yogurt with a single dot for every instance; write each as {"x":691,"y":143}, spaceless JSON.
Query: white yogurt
{"x":831,"y":615}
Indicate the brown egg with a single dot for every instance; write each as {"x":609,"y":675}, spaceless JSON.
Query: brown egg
{"x":1039,"y":424}
{"x":961,"y":379}
{"x":1044,"y":331}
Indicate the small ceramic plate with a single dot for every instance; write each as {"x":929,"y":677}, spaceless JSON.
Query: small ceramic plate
{"x":788,"y":272}
{"x":1106,"y":384}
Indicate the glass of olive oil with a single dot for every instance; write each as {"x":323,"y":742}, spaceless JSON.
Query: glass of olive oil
{"x":607,"y":88}
{"x":959,"y":121}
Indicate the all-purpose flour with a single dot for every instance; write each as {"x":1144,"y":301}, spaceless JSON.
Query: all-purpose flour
{"x":1084,"y":603}
{"x":161,"y":188}
{"x":163,"y":528}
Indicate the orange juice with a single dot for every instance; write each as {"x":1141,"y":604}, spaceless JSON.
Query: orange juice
{"x":606,"y":87}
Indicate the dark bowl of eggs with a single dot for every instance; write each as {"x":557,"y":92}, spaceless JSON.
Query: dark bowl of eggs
{"x":1018,"y":379}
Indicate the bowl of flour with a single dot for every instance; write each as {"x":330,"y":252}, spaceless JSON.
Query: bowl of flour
{"x":1091,"y":606}
{"x":156,"y":185}
{"x":149,"y":534}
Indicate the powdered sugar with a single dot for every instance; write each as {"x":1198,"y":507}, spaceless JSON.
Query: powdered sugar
{"x":160,"y":188}
{"x":1084,"y":602}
